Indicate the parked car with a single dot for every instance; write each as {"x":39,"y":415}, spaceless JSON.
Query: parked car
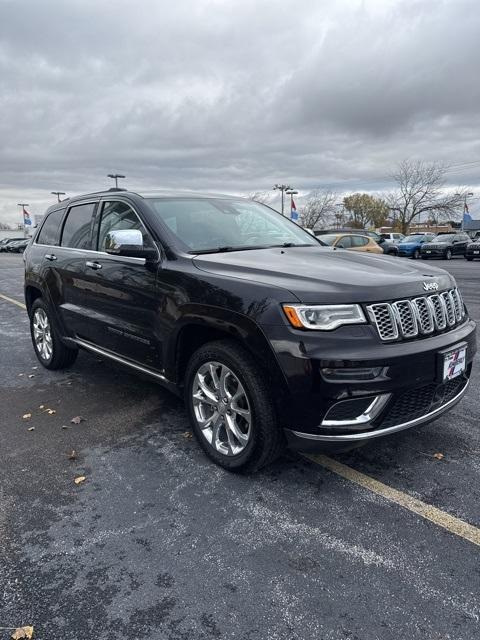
{"x":473,"y":250}
{"x":445,"y":245}
{"x":411,"y":245}
{"x":388,"y":247}
{"x":18,"y":247}
{"x":6,"y":241}
{"x":395,"y":238}
{"x":269,"y":336}
{"x":351,"y":241}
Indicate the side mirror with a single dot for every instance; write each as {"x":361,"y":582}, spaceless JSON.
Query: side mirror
{"x":128,"y":243}
{"x":380,"y":240}
{"x":340,"y":246}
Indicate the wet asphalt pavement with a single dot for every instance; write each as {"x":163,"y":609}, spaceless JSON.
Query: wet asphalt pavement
{"x":158,"y":543}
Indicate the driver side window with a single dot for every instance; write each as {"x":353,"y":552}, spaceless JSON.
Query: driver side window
{"x":117,"y":216}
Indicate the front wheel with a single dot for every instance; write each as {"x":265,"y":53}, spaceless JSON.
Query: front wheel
{"x":230,"y":407}
{"x":469,"y":258}
{"x":448,"y":254}
{"x":49,"y":348}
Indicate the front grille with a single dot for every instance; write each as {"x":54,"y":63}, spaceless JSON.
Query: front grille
{"x":418,"y":316}
{"x":416,"y":403}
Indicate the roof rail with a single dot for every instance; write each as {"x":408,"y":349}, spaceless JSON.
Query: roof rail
{"x":116,"y":189}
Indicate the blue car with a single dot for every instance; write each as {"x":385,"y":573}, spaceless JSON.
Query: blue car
{"x":410,"y":246}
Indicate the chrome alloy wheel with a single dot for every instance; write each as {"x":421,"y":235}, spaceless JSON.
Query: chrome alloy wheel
{"x":42,"y":334}
{"x":221,"y":408}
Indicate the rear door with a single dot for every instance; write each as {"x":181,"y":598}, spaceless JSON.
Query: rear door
{"x":65,"y":265}
{"x":360,"y":243}
{"x":123,"y":303}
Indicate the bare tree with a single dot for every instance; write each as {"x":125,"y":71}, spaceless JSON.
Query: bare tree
{"x":4,"y":226}
{"x":420,"y":189}
{"x":264,"y":197}
{"x":319,"y":207}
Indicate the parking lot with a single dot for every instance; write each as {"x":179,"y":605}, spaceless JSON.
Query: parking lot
{"x":158,"y":543}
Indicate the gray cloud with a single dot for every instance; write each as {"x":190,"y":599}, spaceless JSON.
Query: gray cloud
{"x":233,"y":96}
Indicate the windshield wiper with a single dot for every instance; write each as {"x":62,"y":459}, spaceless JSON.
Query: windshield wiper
{"x":224,"y":249}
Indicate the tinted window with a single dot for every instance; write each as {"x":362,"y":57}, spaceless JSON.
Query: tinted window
{"x":345,"y":241}
{"x":76,"y":230}
{"x":359,"y":241}
{"x":118,"y":216}
{"x":50,"y":231}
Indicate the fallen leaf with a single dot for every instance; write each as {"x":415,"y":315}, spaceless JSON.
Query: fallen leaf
{"x":20,"y":375}
{"x":77,"y":420}
{"x":64,"y":426}
{"x":80,"y":479}
{"x":22,"y":632}
{"x":31,"y":375}
{"x":438,"y":456}
{"x":187,"y":435}
{"x":31,"y":429}
{"x":27,"y":416}
{"x":34,"y":367}
{"x":51,"y":412}
{"x":72,"y":455}
{"x":42,"y":406}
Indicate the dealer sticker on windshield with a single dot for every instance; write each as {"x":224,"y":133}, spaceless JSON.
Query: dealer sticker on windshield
{"x":454,"y":363}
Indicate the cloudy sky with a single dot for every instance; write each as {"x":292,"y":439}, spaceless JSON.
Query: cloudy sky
{"x":233,"y":95}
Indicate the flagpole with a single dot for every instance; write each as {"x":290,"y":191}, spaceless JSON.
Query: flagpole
{"x":23,"y":205}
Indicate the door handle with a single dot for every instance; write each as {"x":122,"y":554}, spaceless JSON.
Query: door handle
{"x":50,"y":256}
{"x":94,"y":265}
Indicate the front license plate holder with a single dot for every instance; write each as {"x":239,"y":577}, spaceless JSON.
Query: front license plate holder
{"x":452,"y":362}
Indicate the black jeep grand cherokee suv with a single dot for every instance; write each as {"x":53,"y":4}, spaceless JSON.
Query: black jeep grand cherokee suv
{"x":270,"y":336}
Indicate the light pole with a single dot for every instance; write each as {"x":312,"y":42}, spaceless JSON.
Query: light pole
{"x":58,"y":194}
{"x":115,"y":176}
{"x":465,"y":206}
{"x":23,"y":205}
{"x":291,"y":193}
{"x":282,"y":188}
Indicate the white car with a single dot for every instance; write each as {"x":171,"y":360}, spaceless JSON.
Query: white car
{"x":396,"y":238}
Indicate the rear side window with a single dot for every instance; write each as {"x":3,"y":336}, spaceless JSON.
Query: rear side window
{"x":50,"y":231}
{"x":76,"y":230}
{"x":359,"y":241}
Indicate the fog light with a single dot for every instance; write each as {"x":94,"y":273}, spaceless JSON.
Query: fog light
{"x":351,"y":373}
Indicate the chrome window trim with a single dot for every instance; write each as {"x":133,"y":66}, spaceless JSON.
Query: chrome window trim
{"x":366,"y":435}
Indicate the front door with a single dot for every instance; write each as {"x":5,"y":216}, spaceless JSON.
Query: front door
{"x":123,"y":300}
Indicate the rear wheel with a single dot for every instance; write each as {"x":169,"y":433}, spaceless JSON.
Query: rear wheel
{"x":469,"y":258}
{"x":416,"y":254}
{"x":49,"y":348}
{"x":230,"y":407}
{"x":448,"y":254}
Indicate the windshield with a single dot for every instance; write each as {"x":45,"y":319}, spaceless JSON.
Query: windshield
{"x":414,"y":238}
{"x":207,"y":225}
{"x":448,"y":237}
{"x":329,"y":238}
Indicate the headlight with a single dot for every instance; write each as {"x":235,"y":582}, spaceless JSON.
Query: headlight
{"x":323,"y":317}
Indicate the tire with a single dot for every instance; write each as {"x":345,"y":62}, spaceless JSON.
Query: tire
{"x":47,"y":344}
{"x":468,"y":258}
{"x":416,"y":254}
{"x":448,"y":254}
{"x":424,"y":258}
{"x":261,"y":439}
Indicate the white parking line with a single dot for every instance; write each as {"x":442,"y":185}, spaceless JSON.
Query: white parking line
{"x":437,"y":516}
{"x":19,"y":304}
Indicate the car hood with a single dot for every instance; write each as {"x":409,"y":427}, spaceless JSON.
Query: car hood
{"x":322,"y":274}
{"x":409,"y":245}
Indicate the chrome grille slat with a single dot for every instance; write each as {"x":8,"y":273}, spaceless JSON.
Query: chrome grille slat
{"x":423,"y":315}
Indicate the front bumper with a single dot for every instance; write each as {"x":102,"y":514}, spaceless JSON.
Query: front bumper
{"x":434,"y":253}
{"x":407,"y":378}
{"x":310,"y":441}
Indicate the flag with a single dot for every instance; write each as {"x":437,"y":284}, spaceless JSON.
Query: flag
{"x":293,"y":211}
{"x":26,"y":217}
